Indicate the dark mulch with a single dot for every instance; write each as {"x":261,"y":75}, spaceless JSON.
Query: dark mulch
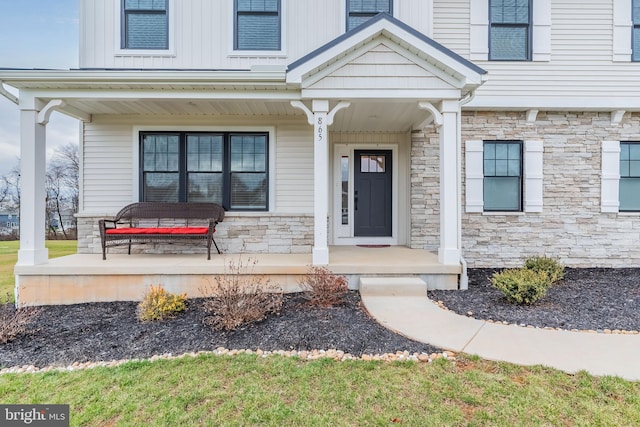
{"x":593,"y":298}
{"x":587,"y":299}
{"x":110,"y":331}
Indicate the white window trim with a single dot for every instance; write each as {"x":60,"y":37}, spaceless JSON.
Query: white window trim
{"x":170,"y":52}
{"x":533,"y":177}
{"x":135,"y":153}
{"x":395,"y":8}
{"x":610,"y":180}
{"x":622,"y":28}
{"x":235,"y":53}
{"x":541,"y":30}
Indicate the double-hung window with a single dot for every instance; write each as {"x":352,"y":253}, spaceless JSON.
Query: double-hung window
{"x":635,"y":38}
{"x":629,"y":176}
{"x":229,"y":168}
{"x":360,"y":11}
{"x":502,"y":184}
{"x":510,"y":30}
{"x":257,"y":25}
{"x":145,"y":24}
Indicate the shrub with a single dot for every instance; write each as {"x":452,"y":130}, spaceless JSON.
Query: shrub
{"x":553,"y":268}
{"x":321,"y":287}
{"x":158,"y":304}
{"x":521,"y":285}
{"x":14,"y":321}
{"x":239,"y":297}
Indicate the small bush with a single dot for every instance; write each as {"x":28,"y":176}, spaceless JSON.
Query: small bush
{"x":521,"y":285}
{"x":14,"y":321}
{"x":158,"y":304}
{"x":321,"y":287}
{"x":553,"y":268}
{"x":239,"y":297}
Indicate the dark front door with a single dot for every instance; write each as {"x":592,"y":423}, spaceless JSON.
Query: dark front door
{"x":372,"y":193}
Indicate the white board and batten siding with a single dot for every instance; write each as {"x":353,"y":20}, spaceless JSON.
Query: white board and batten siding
{"x":201,"y":33}
{"x":111,"y":167}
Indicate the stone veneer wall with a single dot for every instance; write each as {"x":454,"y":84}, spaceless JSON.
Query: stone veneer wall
{"x":425,"y":190}
{"x":268,"y":233}
{"x":571,"y":227}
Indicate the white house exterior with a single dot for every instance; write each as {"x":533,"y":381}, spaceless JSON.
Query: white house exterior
{"x":486,"y":131}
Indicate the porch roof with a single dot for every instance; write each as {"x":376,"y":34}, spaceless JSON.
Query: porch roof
{"x":384,"y":102}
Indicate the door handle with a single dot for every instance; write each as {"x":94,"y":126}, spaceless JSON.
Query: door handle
{"x":355,"y":200}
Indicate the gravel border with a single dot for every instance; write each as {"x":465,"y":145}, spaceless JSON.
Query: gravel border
{"x":84,"y":333}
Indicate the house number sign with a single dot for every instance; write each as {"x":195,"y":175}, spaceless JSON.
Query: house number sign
{"x":320,"y":128}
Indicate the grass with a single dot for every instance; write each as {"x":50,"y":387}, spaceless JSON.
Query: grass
{"x":9,"y":257}
{"x":281,"y":391}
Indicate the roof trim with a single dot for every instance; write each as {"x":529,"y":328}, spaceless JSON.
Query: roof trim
{"x":383,"y":16}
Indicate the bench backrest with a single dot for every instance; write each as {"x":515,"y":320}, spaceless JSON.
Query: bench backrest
{"x":179,"y":210}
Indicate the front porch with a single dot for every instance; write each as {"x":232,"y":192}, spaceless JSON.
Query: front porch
{"x":87,"y":278}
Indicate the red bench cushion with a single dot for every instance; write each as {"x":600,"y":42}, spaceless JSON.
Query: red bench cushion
{"x":159,"y":230}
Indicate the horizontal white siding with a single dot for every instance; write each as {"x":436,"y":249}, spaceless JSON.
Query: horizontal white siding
{"x":580,"y":67}
{"x":451,"y":24}
{"x":381,"y":67}
{"x":294,"y":169}
{"x":109,"y":169}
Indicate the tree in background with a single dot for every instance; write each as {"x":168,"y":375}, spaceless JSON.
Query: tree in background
{"x":62,"y":191}
{"x":62,"y":188}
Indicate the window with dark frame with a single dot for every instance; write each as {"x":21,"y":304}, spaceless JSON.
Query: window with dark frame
{"x":360,"y":11}
{"x":502,"y":183}
{"x":229,"y":168}
{"x":629,"y":190}
{"x":257,"y":25}
{"x":510,"y":30}
{"x":145,"y":24}
{"x":635,"y":35}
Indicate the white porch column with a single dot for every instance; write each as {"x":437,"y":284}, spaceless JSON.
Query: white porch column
{"x":320,"y":110}
{"x":32,"y":186}
{"x":450,"y":232}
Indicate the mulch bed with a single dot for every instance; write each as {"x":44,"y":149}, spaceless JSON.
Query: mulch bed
{"x":587,"y":299}
{"x":82,"y":333}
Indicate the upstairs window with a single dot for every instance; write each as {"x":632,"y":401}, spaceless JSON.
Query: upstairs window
{"x":145,"y":24}
{"x":510,"y":30}
{"x":502,"y":176}
{"x":629,"y":176}
{"x":257,"y":25}
{"x":360,"y":11}
{"x":635,"y":38}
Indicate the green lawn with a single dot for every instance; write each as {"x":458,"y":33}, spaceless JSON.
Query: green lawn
{"x":9,"y":257}
{"x":281,"y":391}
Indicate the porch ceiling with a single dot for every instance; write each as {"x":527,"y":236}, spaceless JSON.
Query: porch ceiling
{"x":362,"y":116}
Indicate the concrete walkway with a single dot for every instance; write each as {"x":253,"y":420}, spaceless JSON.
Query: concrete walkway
{"x":421,"y":319}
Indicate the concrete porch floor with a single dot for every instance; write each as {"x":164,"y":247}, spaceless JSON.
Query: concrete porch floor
{"x":87,"y":278}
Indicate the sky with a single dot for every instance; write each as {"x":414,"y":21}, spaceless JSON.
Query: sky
{"x":36,"y":34}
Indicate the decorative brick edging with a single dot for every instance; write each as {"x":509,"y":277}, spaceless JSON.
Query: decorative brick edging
{"x":338,"y":355}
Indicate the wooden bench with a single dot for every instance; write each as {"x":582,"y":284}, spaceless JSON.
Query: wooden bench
{"x":154,"y":222}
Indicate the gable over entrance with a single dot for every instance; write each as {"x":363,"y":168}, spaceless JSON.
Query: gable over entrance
{"x":384,"y":59}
